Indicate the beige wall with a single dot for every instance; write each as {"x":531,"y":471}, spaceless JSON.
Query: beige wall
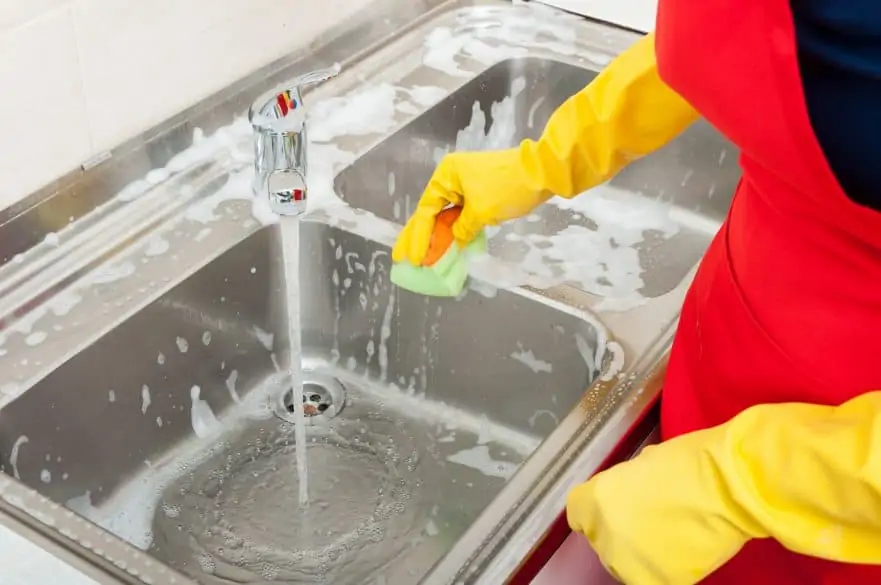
{"x":78,"y":77}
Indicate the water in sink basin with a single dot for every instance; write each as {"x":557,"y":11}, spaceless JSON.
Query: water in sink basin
{"x":380,"y":470}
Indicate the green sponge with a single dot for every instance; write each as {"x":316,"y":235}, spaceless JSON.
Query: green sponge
{"x":444,"y":278}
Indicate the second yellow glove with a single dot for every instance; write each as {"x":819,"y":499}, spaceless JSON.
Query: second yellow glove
{"x":806,"y":475}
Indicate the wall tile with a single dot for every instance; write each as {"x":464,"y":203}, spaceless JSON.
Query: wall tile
{"x":635,"y":14}
{"x":17,"y":12}
{"x":145,"y":61}
{"x":43,"y":121}
{"x":83,"y":76}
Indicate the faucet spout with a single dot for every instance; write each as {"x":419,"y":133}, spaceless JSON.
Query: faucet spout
{"x":278,"y":118}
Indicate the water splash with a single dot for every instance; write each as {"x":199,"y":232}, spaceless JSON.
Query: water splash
{"x":236,"y":514}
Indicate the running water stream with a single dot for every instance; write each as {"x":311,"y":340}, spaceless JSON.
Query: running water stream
{"x":290,"y":234}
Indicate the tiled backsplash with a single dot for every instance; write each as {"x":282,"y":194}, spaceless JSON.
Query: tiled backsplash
{"x":79,"y":77}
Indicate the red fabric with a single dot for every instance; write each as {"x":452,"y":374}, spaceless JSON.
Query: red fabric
{"x":787,"y":303}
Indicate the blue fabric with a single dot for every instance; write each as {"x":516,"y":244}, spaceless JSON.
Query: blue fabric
{"x":839,"y":46}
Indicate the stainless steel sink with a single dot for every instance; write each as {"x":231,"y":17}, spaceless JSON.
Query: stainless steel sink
{"x":421,"y":410}
{"x":144,"y":425}
{"x":686,"y":184}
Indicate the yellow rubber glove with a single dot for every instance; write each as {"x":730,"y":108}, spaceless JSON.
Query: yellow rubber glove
{"x":624,"y":113}
{"x":808,"y":476}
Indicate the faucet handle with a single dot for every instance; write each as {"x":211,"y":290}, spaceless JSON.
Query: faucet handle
{"x":281,"y":108}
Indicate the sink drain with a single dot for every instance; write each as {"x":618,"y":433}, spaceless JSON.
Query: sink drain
{"x":322,"y":396}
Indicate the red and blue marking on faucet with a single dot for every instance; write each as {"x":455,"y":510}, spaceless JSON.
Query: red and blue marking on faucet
{"x":286,"y":103}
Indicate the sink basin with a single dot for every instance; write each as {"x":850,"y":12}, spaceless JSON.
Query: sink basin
{"x":422,"y":410}
{"x":638,"y":235}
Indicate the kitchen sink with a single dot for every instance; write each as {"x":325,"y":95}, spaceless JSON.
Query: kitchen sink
{"x":145,"y":399}
{"x":420,"y":410}
{"x":639,"y":234}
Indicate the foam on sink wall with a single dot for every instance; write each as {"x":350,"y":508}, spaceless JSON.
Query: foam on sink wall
{"x":81,"y":76}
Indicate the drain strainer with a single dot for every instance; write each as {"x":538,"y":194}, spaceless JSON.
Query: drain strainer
{"x":323,"y":396}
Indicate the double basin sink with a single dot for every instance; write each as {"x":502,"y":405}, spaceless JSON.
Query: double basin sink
{"x":145,"y":342}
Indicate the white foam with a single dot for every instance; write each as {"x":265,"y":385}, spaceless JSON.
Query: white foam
{"x":62,"y":303}
{"x":543,"y":412}
{"x":528,"y":359}
{"x":335,"y":117}
{"x":427,"y":95}
{"x":479,"y":458}
{"x":502,"y":33}
{"x":35,"y":338}
{"x":146,"y":399}
{"x":156,"y":245}
{"x":616,"y":364}
{"x":442,"y":46}
{"x":205,"y":424}
{"x":112,"y":273}
{"x":231,"y":385}
{"x":384,"y":333}
{"x":265,"y":338}
{"x":13,"y":454}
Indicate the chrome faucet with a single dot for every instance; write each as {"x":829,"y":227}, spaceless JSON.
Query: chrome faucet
{"x":278,"y":118}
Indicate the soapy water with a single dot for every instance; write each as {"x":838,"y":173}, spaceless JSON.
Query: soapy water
{"x":290,"y":232}
{"x":236,"y":518}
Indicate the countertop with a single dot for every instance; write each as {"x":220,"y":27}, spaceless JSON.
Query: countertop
{"x":25,"y":563}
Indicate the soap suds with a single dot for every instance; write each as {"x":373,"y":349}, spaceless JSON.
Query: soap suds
{"x":112,"y":273}
{"x":338,"y":119}
{"x":63,"y":302}
{"x":13,"y":454}
{"x":231,"y":385}
{"x":528,"y":359}
{"x":265,"y":338}
{"x":479,"y":458}
{"x":202,"y":417}
{"x":156,"y":246}
{"x":35,"y":338}
{"x":146,"y":399}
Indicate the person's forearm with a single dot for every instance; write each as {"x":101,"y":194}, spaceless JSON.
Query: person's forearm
{"x":625,"y":113}
{"x":810,"y":475}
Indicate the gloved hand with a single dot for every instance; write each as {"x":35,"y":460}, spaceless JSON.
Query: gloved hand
{"x":805,"y":475}
{"x":624,"y":113}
